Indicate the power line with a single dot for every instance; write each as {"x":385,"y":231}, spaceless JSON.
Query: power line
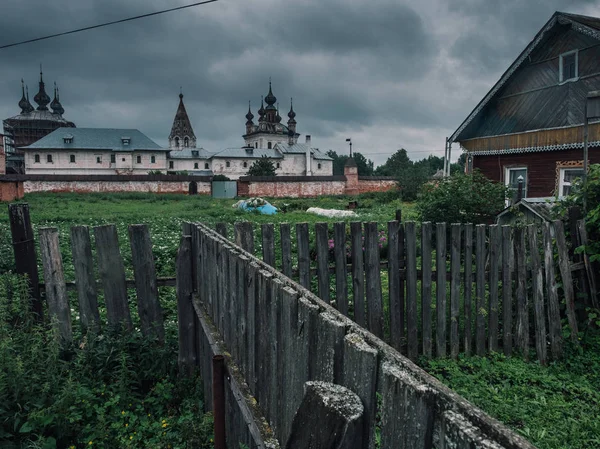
{"x":107,"y":23}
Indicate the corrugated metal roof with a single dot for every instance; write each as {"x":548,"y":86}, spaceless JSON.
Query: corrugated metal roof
{"x":540,"y":207}
{"x":243,"y":152}
{"x":96,"y":139}
{"x":301,"y":148}
{"x":190,"y":153}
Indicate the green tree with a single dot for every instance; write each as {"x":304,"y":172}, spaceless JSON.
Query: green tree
{"x":338,"y":162}
{"x":461,"y":199}
{"x":396,"y":164}
{"x":364,"y":165}
{"x":262,"y":167}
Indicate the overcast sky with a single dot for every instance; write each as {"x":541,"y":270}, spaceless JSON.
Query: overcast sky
{"x":386,"y":73}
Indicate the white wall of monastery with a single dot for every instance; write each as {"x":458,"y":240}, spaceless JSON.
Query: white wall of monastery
{"x":94,"y":162}
{"x":188,"y":164}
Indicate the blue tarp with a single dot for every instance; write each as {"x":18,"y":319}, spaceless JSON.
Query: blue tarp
{"x":266,"y":209}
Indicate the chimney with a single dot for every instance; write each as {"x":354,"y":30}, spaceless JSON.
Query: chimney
{"x":308,"y":139}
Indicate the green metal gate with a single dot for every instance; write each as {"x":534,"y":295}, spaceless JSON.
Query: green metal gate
{"x":224,"y":189}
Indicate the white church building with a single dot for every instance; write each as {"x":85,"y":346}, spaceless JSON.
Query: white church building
{"x":102,"y":151}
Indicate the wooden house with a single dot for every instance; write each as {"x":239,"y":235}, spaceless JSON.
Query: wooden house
{"x":530,"y":124}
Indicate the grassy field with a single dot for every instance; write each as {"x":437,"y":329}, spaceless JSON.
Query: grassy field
{"x":555,"y":406}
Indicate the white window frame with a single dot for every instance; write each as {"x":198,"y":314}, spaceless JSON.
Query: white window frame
{"x":561,"y":180}
{"x":561,"y":75}
{"x":507,"y":171}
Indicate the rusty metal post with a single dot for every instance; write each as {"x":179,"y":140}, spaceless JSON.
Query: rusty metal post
{"x":219,"y":400}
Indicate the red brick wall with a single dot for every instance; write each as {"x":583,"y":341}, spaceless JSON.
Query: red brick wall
{"x":204,"y":188}
{"x":11,"y":190}
{"x":541,"y":167}
{"x":376,"y":186}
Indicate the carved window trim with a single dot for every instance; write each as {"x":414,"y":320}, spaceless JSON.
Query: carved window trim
{"x":562,"y":165}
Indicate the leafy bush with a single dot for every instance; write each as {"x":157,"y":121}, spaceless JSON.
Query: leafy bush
{"x":461,"y":199}
{"x":262,"y":167}
{"x":220,"y":178}
{"x":155,"y":172}
{"x":106,"y":391}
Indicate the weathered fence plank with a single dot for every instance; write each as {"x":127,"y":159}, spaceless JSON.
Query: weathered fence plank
{"x":286,"y":249}
{"x":402,"y":266}
{"x":321,"y":236}
{"x":334,"y":416}
{"x":185,"y":309}
{"x":373,"y":280}
{"x":493,"y":324}
{"x":440,"y":300}
{"x":407,"y":416}
{"x":23,"y":243}
{"x":507,"y":296}
{"x":83,"y":263}
{"x":244,"y":236}
{"x":289,"y":338}
{"x":144,"y":271}
{"x":268,"y":243}
{"x":341,"y":274}
{"x":412,"y":334}
{"x":567,"y":280}
{"x":112,"y":275}
{"x":468,"y":289}
{"x":358,"y":273}
{"x":330,"y":343}
{"x":522,"y":325}
{"x":396,"y":315}
{"x":222,"y":229}
{"x":480,"y":255}
{"x":426,"y":289}
{"x":54,"y":277}
{"x":589,"y":269}
{"x":455,"y":289}
{"x":360,"y":375}
{"x":554,"y":324}
{"x":303,"y":254}
{"x":537,"y":280}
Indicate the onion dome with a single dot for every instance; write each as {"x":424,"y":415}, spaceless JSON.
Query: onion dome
{"x":249,"y":116}
{"x":42,"y":98}
{"x":55,"y":105}
{"x":23,"y":103}
{"x":30,"y":108}
{"x":291,"y":114}
{"x":278,"y":117}
{"x":261,"y":111}
{"x":270,"y":99}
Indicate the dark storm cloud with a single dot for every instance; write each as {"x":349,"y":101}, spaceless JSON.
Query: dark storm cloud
{"x":388,"y":72}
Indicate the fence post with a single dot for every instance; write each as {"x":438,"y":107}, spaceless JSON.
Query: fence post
{"x":112,"y":273}
{"x":495,"y":252}
{"x":426,"y":288}
{"x":144,"y":272}
{"x":567,"y":280}
{"x":83,"y":262}
{"x":468,"y":299}
{"x":455,"y":247}
{"x":341,"y":277}
{"x":396,"y":314}
{"x":412,"y":334}
{"x":537,"y":278}
{"x":303,"y":255}
{"x":56,"y":289}
{"x":440,"y":303}
{"x":321,"y":235}
{"x":480,"y":256}
{"x":24,"y":250}
{"x":507,"y":289}
{"x":286,"y":249}
{"x":358,"y":273}
{"x":375,"y":315}
{"x":268,"y":243}
{"x":522,"y":329}
{"x":552,"y":290}
{"x":185,"y":309}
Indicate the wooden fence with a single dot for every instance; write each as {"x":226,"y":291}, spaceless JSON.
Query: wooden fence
{"x":278,"y":335}
{"x":450,"y":288}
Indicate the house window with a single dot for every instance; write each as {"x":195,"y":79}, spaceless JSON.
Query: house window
{"x":245,"y":164}
{"x":125,"y":140}
{"x":98,"y":159}
{"x":512,"y":177}
{"x":49,"y":158}
{"x":227,"y":164}
{"x":68,"y":138}
{"x":113,"y":159}
{"x":206,"y":165}
{"x":278,"y":165}
{"x":37,"y":158}
{"x":195,"y":165}
{"x":269,"y":145}
{"x":567,"y":178}
{"x":319,"y":166}
{"x":170,"y":164}
{"x":569,"y":66}
{"x":153,"y":159}
{"x":72,"y":158}
{"x":138,"y":159}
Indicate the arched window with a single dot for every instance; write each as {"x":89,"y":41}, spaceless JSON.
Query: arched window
{"x":319,"y":166}
{"x":278,"y":165}
{"x":227,"y":164}
{"x":206,"y":165}
{"x":186,"y":142}
{"x":269,"y":145}
{"x":176,"y":142}
{"x":255,"y":144}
